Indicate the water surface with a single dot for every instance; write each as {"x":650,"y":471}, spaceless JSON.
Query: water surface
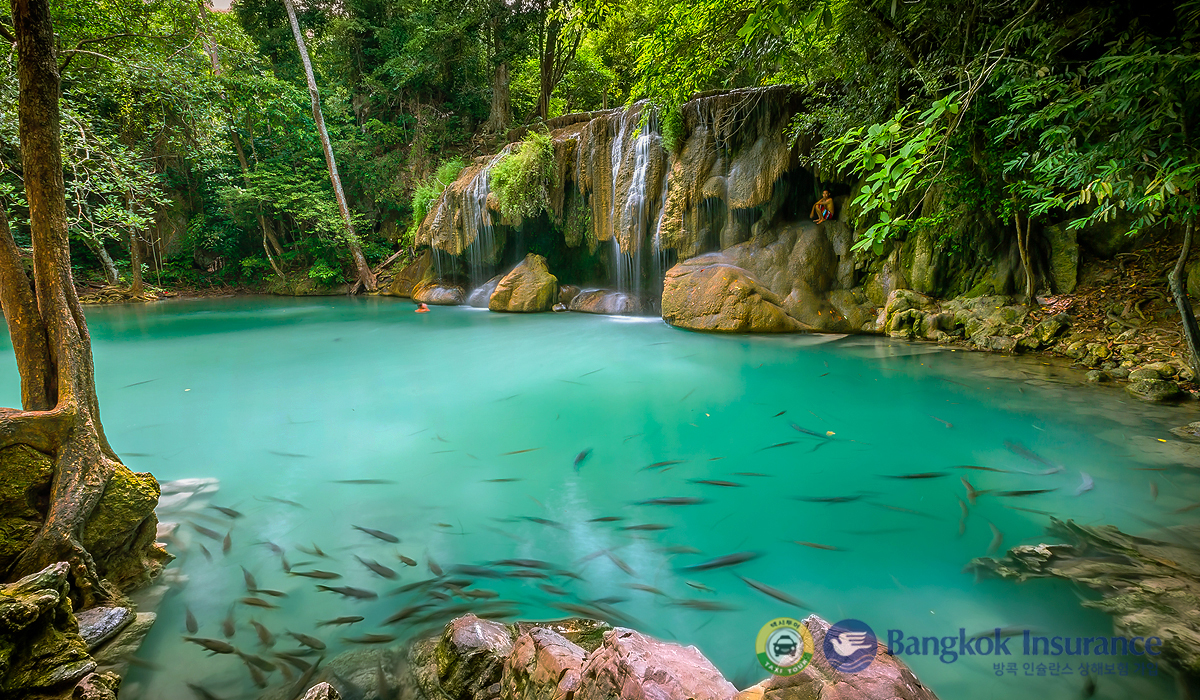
{"x":477,"y":419}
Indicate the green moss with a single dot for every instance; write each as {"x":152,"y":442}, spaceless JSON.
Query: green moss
{"x":24,"y":497}
{"x":522,"y":180}
{"x":427,"y":192}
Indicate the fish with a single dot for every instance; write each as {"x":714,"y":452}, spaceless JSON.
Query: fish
{"x":592,"y":372}
{"x":828,"y":499}
{"x":647,"y":527}
{"x":434,"y":568}
{"x":1027,"y":492}
{"x":378,"y":534}
{"x":1086,"y":485}
{"x":377,"y":567}
{"x":813,"y":433}
{"x":476,"y":571}
{"x":582,"y":457}
{"x":1023,"y":451}
{"x":287,"y":454}
{"x":552,"y":589}
{"x":229,"y":512}
{"x":268,"y":591}
{"x":543,"y":521}
{"x":228,"y":625}
{"x":318,"y":574}
{"x":667,"y":463}
{"x":407,"y":561}
{"x":275,"y":549}
{"x":338,"y":621}
{"x":256,"y":676}
{"x":1029,"y":510}
{"x":144,"y":381}
{"x":981,"y":469}
{"x":680,"y":549}
{"x":620,"y":564}
{"x":774,"y":592}
{"x":314,"y":552}
{"x":778,"y":444}
{"x":517,"y":452}
{"x":606,"y":519}
{"x":201,"y":692}
{"x":227,"y":543}
{"x":672,"y":501}
{"x":216,"y":646}
{"x":500,"y":481}
{"x":294,"y":660}
{"x":1153,"y":491}
{"x":483,"y":593}
{"x":405,"y":613}
{"x":1186,"y":509}
{"x":370,"y":639}
{"x":920,"y":475}
{"x":714,"y":482}
{"x":189,"y":621}
{"x":721,"y":562}
{"x":310,"y":642}
{"x":251,"y":584}
{"x":699,"y":586}
{"x":257,"y":602}
{"x":962,"y":505}
{"x":525,"y":563}
{"x":364,"y":482}
{"x":946,"y":423}
{"x":814,"y":545}
{"x":351,"y":592}
{"x":972,"y":494}
{"x":204,"y":550}
{"x":284,"y":501}
{"x":256,"y":661}
{"x":645,"y":589}
{"x":704,"y":605}
{"x":527,"y":573}
{"x":264,"y":635}
{"x":608,"y":600}
{"x":780,"y":413}
{"x":997,"y":539}
{"x":210,"y":534}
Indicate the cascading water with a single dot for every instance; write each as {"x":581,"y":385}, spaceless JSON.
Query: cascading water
{"x":477,"y":218}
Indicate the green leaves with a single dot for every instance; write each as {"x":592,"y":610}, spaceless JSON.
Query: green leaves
{"x":523,"y":178}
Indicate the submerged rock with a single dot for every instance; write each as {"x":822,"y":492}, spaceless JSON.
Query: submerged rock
{"x":1150,"y":587}
{"x":529,"y":287}
{"x":603,"y":301}
{"x":1153,"y":390}
{"x":1190,"y":432}
{"x":708,"y":293}
{"x":886,"y":677}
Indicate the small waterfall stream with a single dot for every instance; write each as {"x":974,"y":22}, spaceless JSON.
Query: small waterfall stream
{"x":477,"y":218}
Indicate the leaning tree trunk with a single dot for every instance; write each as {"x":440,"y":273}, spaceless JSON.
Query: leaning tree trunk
{"x":60,"y":415}
{"x":1178,"y":283}
{"x":1023,"y":250}
{"x":106,"y":261}
{"x":365,"y":277}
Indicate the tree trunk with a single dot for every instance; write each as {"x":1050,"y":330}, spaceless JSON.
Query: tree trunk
{"x":1178,"y":283}
{"x":135,"y":264}
{"x":268,"y":235}
{"x":365,"y":277}
{"x":1023,"y":250}
{"x":60,"y":416}
{"x":501,"y":113}
{"x":106,"y":261}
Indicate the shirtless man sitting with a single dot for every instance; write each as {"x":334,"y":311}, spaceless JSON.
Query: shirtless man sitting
{"x":822,"y":211}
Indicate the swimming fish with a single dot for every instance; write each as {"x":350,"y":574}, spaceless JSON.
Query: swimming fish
{"x":667,"y":463}
{"x":337,"y":621}
{"x":517,"y":452}
{"x":981,"y":469}
{"x":606,"y":519}
{"x":351,"y":592}
{"x":257,"y":602}
{"x":315,"y":551}
{"x":228,"y":626}
{"x":997,"y":539}
{"x":377,"y":567}
{"x":814,"y":545}
{"x":713,"y":482}
{"x":226,"y":543}
{"x":210,"y":534}
{"x":582,"y":457}
{"x":543,"y":521}
{"x":704,"y":605}
{"x":699,"y":586}
{"x":920,"y":475}
{"x":778,"y":444}
{"x":1029,"y":492}
{"x":727,"y":560}
{"x":773,"y":592}
{"x":828,"y":499}
{"x":379,"y":534}
{"x":370,"y":639}
{"x":672,"y":501}
{"x":404,"y":614}
{"x":434,"y":567}
{"x":407,"y":561}
{"x":264,"y":635}
{"x":1086,"y":485}
{"x":256,"y":661}
{"x":325,"y":575}
{"x":227,"y":511}
{"x":251,"y":584}
{"x":286,"y":454}
{"x":645,"y":589}
{"x":284,"y":501}
{"x":310,"y":642}
{"x":946,"y":423}
{"x":500,"y":481}
{"x":647,"y":527}
{"x":620,"y":564}
{"x":364,"y":482}
{"x":216,"y":646}
{"x":189,"y":621}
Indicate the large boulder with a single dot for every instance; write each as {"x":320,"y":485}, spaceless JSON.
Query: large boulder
{"x":1153,"y":390}
{"x":439,"y":292}
{"x":886,"y":678}
{"x":1064,"y":258}
{"x":708,"y":293}
{"x":603,"y":301}
{"x":412,"y":273}
{"x":482,"y":295}
{"x":529,"y":287}
{"x":543,"y":665}
{"x":470,"y":657}
{"x":632,"y":666}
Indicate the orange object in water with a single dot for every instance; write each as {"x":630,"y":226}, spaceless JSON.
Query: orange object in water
{"x":422,"y":309}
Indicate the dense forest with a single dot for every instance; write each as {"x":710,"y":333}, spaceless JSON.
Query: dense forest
{"x":192,"y":157}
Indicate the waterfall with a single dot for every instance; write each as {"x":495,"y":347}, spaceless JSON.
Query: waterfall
{"x":477,"y":218}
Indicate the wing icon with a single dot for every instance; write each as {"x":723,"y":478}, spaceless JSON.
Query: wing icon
{"x":847,"y":643}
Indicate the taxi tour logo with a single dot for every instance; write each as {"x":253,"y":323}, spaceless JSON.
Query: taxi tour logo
{"x":785,"y":647}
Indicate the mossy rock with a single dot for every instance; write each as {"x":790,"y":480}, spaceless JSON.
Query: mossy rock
{"x":120,"y":533}
{"x":24,"y":498}
{"x":39,"y":645}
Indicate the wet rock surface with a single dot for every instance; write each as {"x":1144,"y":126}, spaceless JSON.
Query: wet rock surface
{"x":529,"y":287}
{"x":636,"y":667}
{"x":411,"y":274}
{"x":40,"y":647}
{"x":1150,"y":587}
{"x":98,"y":625}
{"x":603,"y":301}
{"x":710,"y":293}
{"x":481,"y":295}
{"x":439,"y":292}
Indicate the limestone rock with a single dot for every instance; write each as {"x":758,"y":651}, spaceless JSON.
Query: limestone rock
{"x":1096,"y":376}
{"x":708,"y":293}
{"x":482,"y":295}
{"x":97,"y":625}
{"x":470,"y":657}
{"x":543,"y":665}
{"x":412,"y":273}
{"x":632,"y":666}
{"x":1190,"y":432}
{"x":1153,"y":390}
{"x":886,"y":678}
{"x":39,"y":645}
{"x":439,"y":292}
{"x":322,"y":691}
{"x":567,"y":292}
{"x":115,"y":654}
{"x":120,"y":535}
{"x":1143,"y":374}
{"x":603,"y":301}
{"x":1049,"y":328}
{"x":528,"y":287}
{"x":97,"y":686}
{"x":1064,"y":258}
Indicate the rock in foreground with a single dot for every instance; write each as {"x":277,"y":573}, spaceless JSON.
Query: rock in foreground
{"x":528,"y":288}
{"x":708,"y":293}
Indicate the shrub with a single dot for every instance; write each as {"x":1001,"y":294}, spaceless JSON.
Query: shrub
{"x":426,"y":193}
{"x":523,"y":178}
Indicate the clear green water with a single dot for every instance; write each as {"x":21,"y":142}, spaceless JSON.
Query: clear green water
{"x":366,"y":389}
